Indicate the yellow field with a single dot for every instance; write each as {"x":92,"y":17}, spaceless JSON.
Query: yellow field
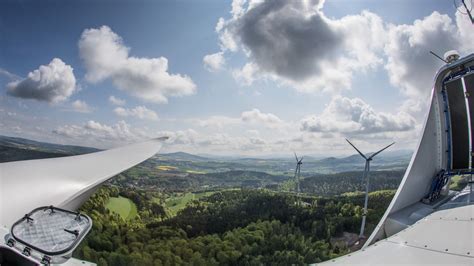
{"x":166,"y":168}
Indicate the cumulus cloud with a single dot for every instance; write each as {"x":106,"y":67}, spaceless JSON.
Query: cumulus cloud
{"x":409,"y":65}
{"x":214,"y":62}
{"x":81,"y":106}
{"x":247,"y":74}
{"x":181,"y":137}
{"x":116,"y":101}
{"x":354,"y":116}
{"x":294,"y":43}
{"x":287,"y":38}
{"x":100,"y":134}
{"x":140,"y":112}
{"x":106,"y":57}
{"x":51,"y":83}
{"x":256,"y":116}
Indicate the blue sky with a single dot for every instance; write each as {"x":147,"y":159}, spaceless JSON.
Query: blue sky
{"x":242,"y":77}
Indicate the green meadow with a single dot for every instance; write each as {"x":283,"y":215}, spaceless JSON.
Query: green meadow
{"x":122,"y":206}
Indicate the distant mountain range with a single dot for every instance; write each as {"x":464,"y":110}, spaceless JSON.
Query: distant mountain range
{"x":12,"y":149}
{"x":183,"y":156}
{"x":15,"y":149}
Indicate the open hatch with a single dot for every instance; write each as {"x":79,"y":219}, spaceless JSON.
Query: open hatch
{"x":49,"y":234}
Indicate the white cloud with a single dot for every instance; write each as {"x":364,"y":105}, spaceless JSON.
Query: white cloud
{"x":51,"y":83}
{"x":247,"y":74}
{"x":116,"y":101}
{"x":106,"y":57}
{"x":464,"y":26}
{"x":181,"y":137}
{"x":140,"y":112}
{"x":254,"y":116}
{"x":214,"y":62}
{"x":266,"y":119}
{"x":354,"y":116}
{"x":81,"y":106}
{"x":102,"y":135}
{"x":294,"y":43}
{"x":410,"y":66}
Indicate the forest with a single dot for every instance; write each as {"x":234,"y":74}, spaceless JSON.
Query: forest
{"x":231,"y":227}
{"x":183,"y":209}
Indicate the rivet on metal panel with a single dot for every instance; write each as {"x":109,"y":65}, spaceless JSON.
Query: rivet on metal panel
{"x":446,"y":250}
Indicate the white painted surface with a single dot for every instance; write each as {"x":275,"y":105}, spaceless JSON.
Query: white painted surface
{"x":429,"y":158}
{"x":443,"y":238}
{"x":63,"y":182}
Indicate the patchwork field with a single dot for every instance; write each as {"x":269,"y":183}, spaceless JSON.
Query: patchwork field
{"x":122,"y":206}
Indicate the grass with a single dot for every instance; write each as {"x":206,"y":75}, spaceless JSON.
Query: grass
{"x":178,"y":202}
{"x":122,"y":206}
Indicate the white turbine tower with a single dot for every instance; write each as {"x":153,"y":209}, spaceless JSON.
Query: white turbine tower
{"x":299,"y":162}
{"x":366,"y":178}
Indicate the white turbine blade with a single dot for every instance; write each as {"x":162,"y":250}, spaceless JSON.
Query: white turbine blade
{"x":64,"y":182}
{"x":296,"y":157}
{"x":301,"y":159}
{"x":361,"y":154}
{"x":373,"y":155}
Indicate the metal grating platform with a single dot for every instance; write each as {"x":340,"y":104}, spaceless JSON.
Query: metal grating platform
{"x":51,"y":231}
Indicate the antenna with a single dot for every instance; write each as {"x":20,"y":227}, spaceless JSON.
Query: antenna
{"x":439,"y":57}
{"x":366,"y":178}
{"x":462,"y":4}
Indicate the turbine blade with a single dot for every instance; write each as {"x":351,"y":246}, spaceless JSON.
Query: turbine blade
{"x":301,"y":159}
{"x":296,"y":157}
{"x":373,"y":155}
{"x":361,"y":154}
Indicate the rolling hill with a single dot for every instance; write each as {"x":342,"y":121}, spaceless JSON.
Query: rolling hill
{"x":16,"y":149}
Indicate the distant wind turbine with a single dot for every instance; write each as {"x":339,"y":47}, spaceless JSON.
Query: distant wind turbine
{"x":299,"y":162}
{"x":366,"y":178}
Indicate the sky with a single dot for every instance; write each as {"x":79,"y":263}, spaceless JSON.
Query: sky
{"x":250,"y":78}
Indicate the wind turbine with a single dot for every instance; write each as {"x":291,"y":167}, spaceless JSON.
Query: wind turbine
{"x":366,"y":177}
{"x":299,"y":162}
